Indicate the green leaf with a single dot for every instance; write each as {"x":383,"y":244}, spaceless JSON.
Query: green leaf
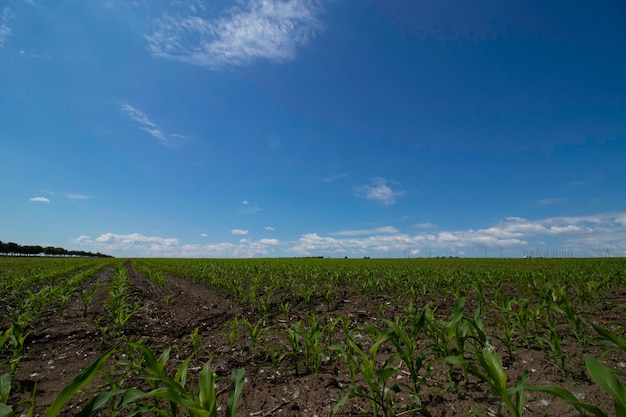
{"x":493,"y":365}
{"x":340,"y":404}
{"x":236,"y":386}
{"x":207,"y":394}
{"x":604,"y":376}
{"x":98,"y":402}
{"x":619,"y":341}
{"x":385,"y":373}
{"x":5,"y":387}
{"x":77,"y":384}
{"x":564,"y":394}
{"x":6,"y":411}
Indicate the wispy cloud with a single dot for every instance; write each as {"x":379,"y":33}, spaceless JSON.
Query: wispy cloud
{"x":77,"y":196}
{"x":334,"y":177}
{"x":147,"y":125}
{"x":6,"y":15}
{"x":250,"y":208}
{"x":425,"y":225}
{"x":379,"y":191}
{"x":251,"y":31}
{"x":203,"y":235}
{"x":548,"y":201}
{"x":270,"y":228}
{"x":242,"y":232}
{"x":376,"y":231}
{"x":39,"y":200}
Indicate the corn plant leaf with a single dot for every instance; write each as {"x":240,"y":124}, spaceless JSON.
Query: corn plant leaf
{"x":207,"y":394}
{"x":98,"y":402}
{"x":5,"y":387}
{"x":604,"y":376}
{"x":385,"y":373}
{"x":561,"y":393}
{"x":236,"y":386}
{"x":78,"y":383}
{"x":493,"y":365}
{"x":340,"y":404}
{"x":619,"y":341}
{"x":5,"y":336}
{"x":6,"y":411}
{"x":459,"y":310}
{"x":181,"y":374}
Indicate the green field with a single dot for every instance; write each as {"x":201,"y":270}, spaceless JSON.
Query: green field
{"x":387,"y":337}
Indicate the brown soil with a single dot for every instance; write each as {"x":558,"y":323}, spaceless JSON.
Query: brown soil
{"x":63,"y":343}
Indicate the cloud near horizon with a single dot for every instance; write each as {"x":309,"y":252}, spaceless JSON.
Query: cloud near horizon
{"x":135,"y":244}
{"x":583,"y":236}
{"x":247,"y":32}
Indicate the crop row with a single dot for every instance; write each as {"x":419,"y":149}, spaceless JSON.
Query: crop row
{"x":445,"y":325}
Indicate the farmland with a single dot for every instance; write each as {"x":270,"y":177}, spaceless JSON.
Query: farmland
{"x":291,"y":337}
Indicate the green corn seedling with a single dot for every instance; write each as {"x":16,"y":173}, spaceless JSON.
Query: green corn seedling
{"x":86,"y":296}
{"x":377,"y":390}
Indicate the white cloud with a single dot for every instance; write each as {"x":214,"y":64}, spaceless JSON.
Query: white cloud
{"x":203,"y":235}
{"x":584,"y":236}
{"x":380,"y":192}
{"x":251,"y":31}
{"x":39,"y":200}
{"x":135,"y":244}
{"x":378,"y":230}
{"x":245,"y":202}
{"x":147,"y":125}
{"x":270,"y":228}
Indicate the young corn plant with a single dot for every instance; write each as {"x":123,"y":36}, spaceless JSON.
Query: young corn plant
{"x":10,"y":340}
{"x":255,"y":332}
{"x":550,"y":344}
{"x":404,"y":335}
{"x":314,"y":341}
{"x":86,"y":297}
{"x":119,"y":305}
{"x":167,"y":396}
{"x":377,"y":389}
{"x":492,"y":372}
{"x":577,"y":323}
{"x":448,"y":337}
{"x":507,"y":324}
{"x":295,"y":345}
{"x":234,"y":336}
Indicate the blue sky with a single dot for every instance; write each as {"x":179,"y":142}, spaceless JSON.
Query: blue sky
{"x":314,"y":127}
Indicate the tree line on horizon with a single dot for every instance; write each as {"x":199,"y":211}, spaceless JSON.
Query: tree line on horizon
{"x":14,"y":249}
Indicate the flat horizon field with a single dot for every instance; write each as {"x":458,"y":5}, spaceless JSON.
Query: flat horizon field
{"x":292,"y":337}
